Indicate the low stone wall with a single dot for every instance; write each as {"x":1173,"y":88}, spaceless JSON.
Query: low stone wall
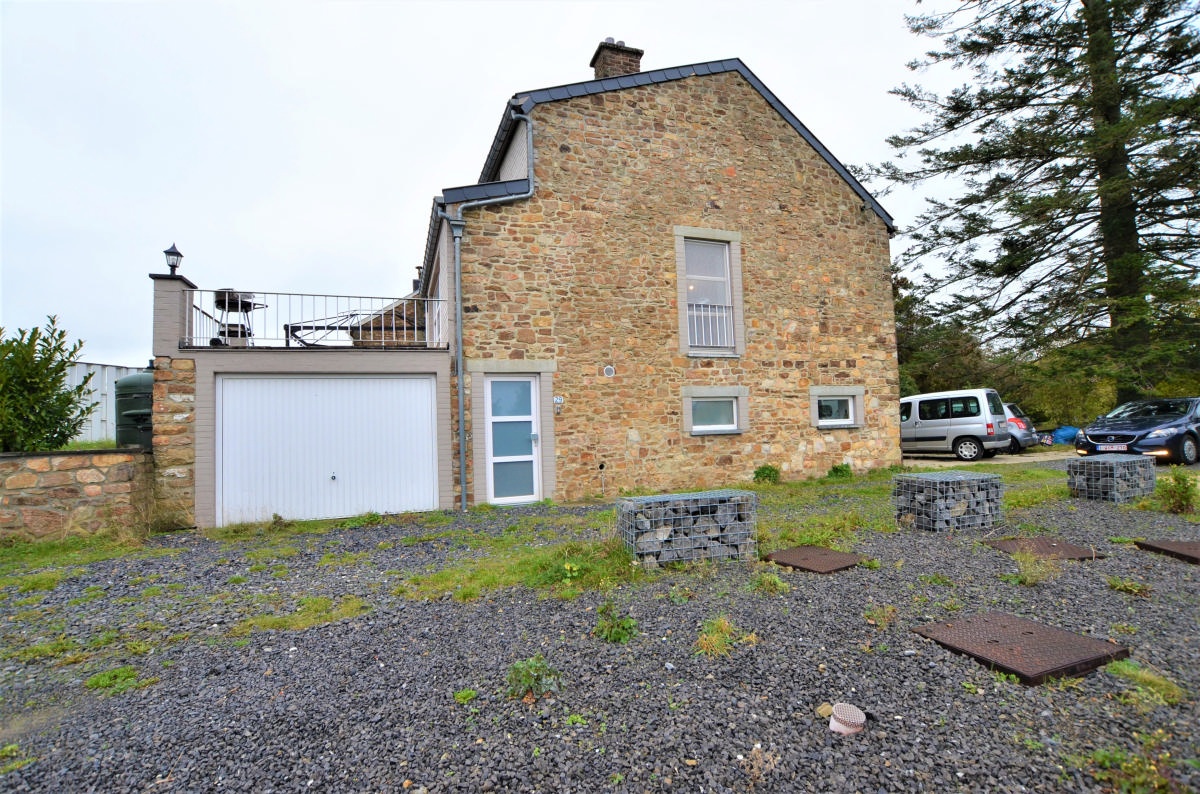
{"x":1111,"y":478}
{"x":44,"y":495}
{"x":947,"y":500}
{"x":709,"y":525}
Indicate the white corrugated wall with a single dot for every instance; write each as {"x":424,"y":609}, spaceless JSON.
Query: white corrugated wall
{"x":324,"y":447}
{"x":101,"y":424}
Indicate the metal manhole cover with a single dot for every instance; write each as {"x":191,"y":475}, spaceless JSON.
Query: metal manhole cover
{"x":1031,"y":651}
{"x":815,"y":558}
{"x":1186,"y":550}
{"x":1046,"y":548}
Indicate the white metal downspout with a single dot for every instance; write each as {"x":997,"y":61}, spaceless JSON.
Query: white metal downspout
{"x":457,"y":225}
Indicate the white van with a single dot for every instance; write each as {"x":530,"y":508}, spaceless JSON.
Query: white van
{"x":968,"y":422}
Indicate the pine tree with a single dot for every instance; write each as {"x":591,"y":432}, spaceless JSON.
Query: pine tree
{"x":1074,"y":151}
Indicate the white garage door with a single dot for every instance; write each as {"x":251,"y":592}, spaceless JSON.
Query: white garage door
{"x":324,"y":447}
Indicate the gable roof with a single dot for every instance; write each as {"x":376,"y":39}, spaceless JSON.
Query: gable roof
{"x":527,"y":100}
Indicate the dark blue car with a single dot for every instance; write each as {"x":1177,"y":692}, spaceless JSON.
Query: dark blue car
{"x":1166,"y":428}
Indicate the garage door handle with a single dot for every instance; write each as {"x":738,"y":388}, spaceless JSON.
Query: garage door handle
{"x":533,"y":437}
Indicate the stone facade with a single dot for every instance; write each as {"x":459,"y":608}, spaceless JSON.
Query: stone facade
{"x":584,"y":275}
{"x":174,"y":433}
{"x":49,"y":495}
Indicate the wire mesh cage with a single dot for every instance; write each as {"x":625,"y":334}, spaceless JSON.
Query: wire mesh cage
{"x":947,"y":500}
{"x":1111,"y":478}
{"x":708,"y":525}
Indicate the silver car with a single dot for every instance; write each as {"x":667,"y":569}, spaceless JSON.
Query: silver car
{"x":1020,"y":428}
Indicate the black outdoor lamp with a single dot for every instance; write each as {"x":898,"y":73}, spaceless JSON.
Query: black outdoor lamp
{"x":173,"y":257}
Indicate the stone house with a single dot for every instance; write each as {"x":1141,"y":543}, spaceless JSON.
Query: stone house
{"x":662,"y":281}
{"x":666,"y":282}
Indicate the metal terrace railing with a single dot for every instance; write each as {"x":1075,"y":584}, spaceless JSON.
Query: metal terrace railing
{"x":235,"y":318}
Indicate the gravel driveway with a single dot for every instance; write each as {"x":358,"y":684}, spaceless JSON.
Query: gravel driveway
{"x":367,"y":704}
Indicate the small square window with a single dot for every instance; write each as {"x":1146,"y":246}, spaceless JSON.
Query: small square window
{"x":837,"y":406}
{"x":714,"y":413}
{"x":835,"y":411}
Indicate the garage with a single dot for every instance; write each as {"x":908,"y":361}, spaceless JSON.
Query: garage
{"x":305,"y":446}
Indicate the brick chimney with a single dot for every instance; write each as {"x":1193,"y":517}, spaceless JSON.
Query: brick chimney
{"x":613,"y":59}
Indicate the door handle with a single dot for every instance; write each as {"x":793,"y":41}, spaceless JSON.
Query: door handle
{"x":533,"y":437}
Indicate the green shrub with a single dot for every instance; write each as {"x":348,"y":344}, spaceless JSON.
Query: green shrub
{"x":841,"y":471}
{"x":767,"y":474}
{"x":532,"y":678}
{"x":38,"y":410}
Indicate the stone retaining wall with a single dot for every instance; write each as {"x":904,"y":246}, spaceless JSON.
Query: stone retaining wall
{"x":44,"y":495}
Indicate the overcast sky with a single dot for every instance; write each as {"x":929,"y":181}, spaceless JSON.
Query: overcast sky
{"x":296,"y":146}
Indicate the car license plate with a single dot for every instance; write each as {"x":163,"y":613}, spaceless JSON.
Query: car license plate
{"x":1111,"y":447}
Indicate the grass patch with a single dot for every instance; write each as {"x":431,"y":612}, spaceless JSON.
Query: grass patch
{"x":835,"y":532}
{"x":12,"y":759}
{"x":1163,"y":689}
{"x":341,"y":559}
{"x":268,"y":553}
{"x":1142,"y":772}
{"x":464,"y":696}
{"x":1032,"y":570}
{"x":53,"y":649}
{"x":1034,"y":496}
{"x":718,"y":635}
{"x":880,"y":616}
{"x":768,"y":583}
{"x":117,"y":680}
{"x":564,"y":569}
{"x":312,"y":611}
{"x":936,"y":579}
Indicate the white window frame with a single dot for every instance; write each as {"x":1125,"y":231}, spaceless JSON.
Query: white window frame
{"x":733,"y":257}
{"x":854,"y":395}
{"x":738,"y":395}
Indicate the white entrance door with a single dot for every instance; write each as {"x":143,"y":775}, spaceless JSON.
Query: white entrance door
{"x":513,"y":459}
{"x":304,"y":446}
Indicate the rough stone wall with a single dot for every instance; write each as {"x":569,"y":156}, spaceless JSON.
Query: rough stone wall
{"x":585,"y":273}
{"x":45,"y":495}
{"x":174,"y":434}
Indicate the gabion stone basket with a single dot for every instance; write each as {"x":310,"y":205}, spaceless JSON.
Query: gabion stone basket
{"x":947,"y":500}
{"x":709,"y":525}
{"x":1111,"y":478}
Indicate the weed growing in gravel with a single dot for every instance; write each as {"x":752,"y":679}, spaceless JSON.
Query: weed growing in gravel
{"x":532,"y":678}
{"x":12,"y":759}
{"x":1129,"y":587}
{"x":768,"y":583}
{"x":680,"y":594}
{"x":1006,"y":678}
{"x":1146,"y":770}
{"x":612,"y":626}
{"x":757,"y":764}
{"x":1123,"y":540}
{"x":718,"y":636}
{"x":936,"y":579}
{"x":464,"y":696}
{"x":880,"y":616}
{"x":871,"y":564}
{"x":972,"y":688}
{"x":767,"y":475}
{"x":1164,"y":690}
{"x":576,"y":720}
{"x":118,"y":680}
{"x":1032,"y":570}
{"x":1124,"y":628}
{"x":312,"y":611}
{"x":268,"y":553}
{"x":951,"y":605}
{"x":236,"y":580}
